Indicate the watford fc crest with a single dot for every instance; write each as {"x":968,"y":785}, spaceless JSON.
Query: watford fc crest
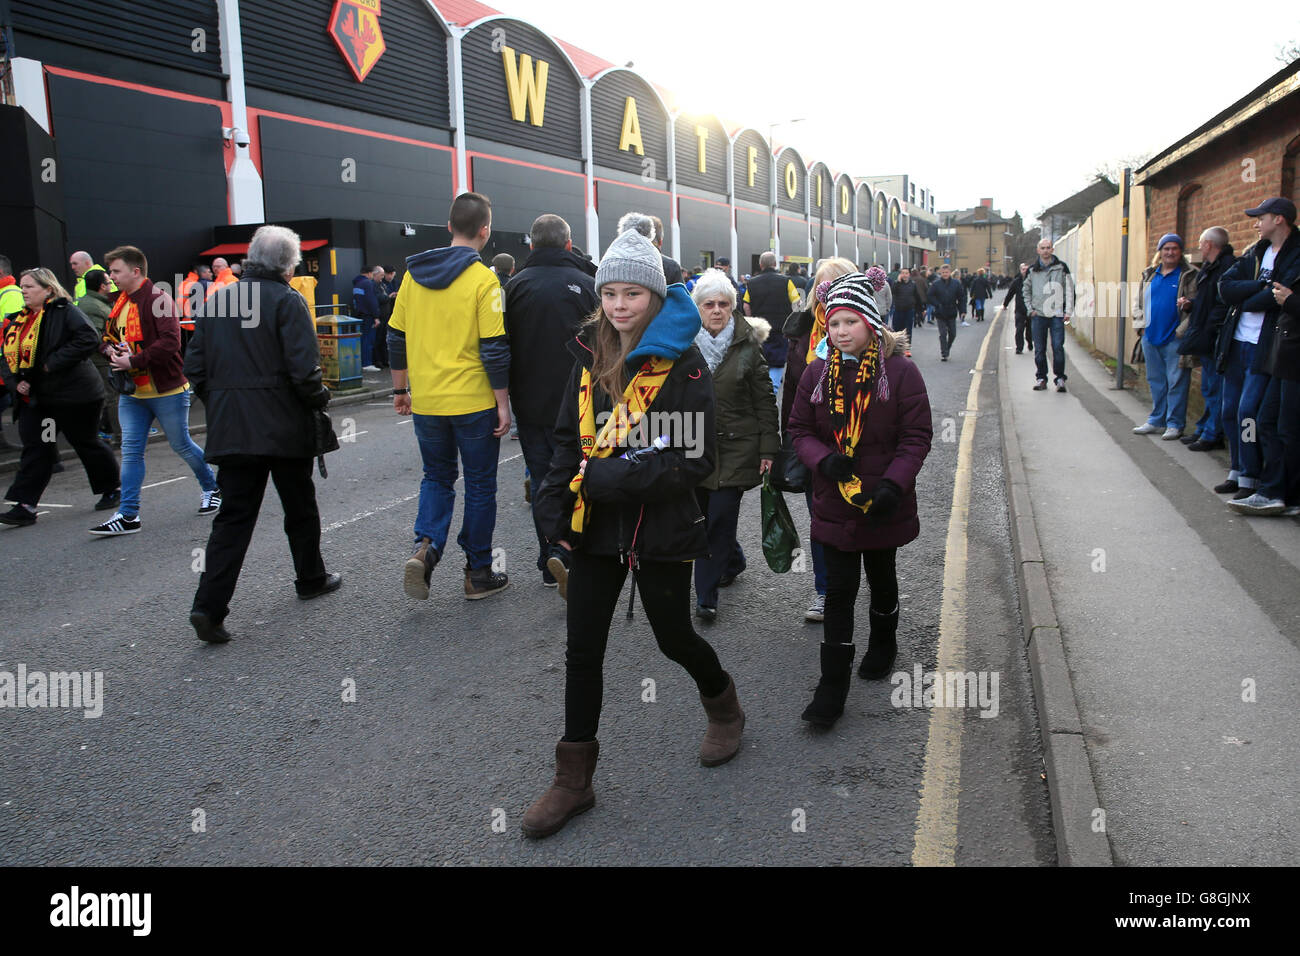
{"x":354,"y":25}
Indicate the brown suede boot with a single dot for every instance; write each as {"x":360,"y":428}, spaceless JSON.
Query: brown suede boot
{"x":726,"y":721}
{"x":570,"y":793}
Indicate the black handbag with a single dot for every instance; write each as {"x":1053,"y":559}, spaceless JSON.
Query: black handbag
{"x":789,"y":473}
{"x":121,"y":382}
{"x":324,"y":440}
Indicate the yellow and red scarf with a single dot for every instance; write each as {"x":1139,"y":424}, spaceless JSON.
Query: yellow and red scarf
{"x":846,"y":417}
{"x":21,"y":335}
{"x":818,"y":332}
{"x":127,"y":315}
{"x":637,"y":399}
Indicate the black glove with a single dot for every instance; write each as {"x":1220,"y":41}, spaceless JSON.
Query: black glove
{"x":836,"y":467}
{"x":884,"y":500}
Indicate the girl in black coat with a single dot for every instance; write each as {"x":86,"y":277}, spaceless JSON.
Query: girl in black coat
{"x":616,"y":502}
{"x":47,"y":349}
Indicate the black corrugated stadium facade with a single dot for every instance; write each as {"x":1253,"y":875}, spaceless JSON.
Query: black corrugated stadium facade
{"x":137,"y":98}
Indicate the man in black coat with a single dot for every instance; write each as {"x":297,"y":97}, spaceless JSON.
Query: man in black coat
{"x":948,"y":296}
{"x":255,"y":364}
{"x":1023,"y":332}
{"x":1250,"y":283}
{"x":547,"y":302}
{"x":1202,"y":335}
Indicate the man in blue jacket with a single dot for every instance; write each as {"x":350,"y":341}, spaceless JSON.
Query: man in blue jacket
{"x":365,"y":306}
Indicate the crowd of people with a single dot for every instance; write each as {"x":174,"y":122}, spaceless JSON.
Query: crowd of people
{"x":1237,"y":319}
{"x":648,"y":400}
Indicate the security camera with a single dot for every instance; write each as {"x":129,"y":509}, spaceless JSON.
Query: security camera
{"x":233,"y":134}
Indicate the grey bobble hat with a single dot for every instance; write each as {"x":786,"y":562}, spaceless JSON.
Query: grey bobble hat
{"x":633,"y":258}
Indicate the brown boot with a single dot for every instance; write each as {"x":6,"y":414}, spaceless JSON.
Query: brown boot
{"x":570,"y":793}
{"x":726,"y":721}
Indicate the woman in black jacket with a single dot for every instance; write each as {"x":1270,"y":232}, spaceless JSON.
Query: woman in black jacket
{"x":620,"y":496}
{"x":47,"y":350}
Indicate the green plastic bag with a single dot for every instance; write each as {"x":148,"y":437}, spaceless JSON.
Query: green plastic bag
{"x":780,"y":539}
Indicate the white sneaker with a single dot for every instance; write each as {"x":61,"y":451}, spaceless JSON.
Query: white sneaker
{"x":1171,"y":433}
{"x":1257,"y":504}
{"x":1146,"y":428}
{"x":967,"y":324}
{"x":211,"y":502}
{"x":817,"y":609}
{"x":370,"y":368}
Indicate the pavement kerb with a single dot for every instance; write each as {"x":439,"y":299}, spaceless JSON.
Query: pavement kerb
{"x":339,"y":401}
{"x":1072,"y":789}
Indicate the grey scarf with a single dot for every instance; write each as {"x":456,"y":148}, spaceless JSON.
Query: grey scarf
{"x":714,"y":347}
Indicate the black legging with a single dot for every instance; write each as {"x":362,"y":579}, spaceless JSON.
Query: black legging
{"x":842,"y":581}
{"x":595,"y":584}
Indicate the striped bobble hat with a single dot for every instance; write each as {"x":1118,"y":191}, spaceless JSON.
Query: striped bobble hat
{"x":854,"y":292}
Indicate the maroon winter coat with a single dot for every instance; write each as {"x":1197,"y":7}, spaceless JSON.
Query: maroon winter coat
{"x":895,"y":440}
{"x":160,"y":329}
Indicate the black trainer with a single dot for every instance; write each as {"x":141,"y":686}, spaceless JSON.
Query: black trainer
{"x":1040,"y":385}
{"x":558,"y":565}
{"x":1060,"y":384}
{"x":18,"y":517}
{"x":1227,"y":487}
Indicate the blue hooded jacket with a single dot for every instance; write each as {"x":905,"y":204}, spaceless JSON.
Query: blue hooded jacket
{"x":672,"y":331}
{"x":439,"y":268}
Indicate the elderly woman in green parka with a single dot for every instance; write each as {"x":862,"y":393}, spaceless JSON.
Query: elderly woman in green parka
{"x":748,"y":441}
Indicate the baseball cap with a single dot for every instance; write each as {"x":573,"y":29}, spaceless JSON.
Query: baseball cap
{"x":723,"y":262}
{"x":1277,"y":206}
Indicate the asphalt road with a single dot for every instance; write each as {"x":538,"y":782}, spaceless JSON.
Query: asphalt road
{"x":249,"y":753}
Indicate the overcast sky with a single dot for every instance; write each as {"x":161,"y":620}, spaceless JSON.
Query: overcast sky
{"x":1022,"y":110}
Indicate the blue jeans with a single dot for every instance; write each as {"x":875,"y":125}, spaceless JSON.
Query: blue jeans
{"x":1209,"y":425}
{"x":1169,"y":384}
{"x":1040,"y":325}
{"x":1243,"y":391}
{"x":537,"y":442}
{"x":173,"y":414}
{"x":440,"y":438}
{"x":776,"y":374}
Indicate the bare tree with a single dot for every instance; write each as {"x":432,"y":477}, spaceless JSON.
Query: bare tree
{"x":1114,"y":170}
{"x":1288,"y":52}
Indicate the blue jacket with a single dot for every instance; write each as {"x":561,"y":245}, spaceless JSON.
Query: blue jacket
{"x":365,"y":297}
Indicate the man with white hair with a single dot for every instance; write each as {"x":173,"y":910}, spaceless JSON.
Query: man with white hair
{"x":81,"y":263}
{"x":1204,"y":322}
{"x":254,"y":362}
{"x":652,"y":227}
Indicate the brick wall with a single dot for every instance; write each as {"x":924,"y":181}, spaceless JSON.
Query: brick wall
{"x":1269,"y":139}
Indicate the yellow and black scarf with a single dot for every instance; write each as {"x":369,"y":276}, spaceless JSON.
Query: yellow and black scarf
{"x":637,"y":398}
{"x":846,"y":417}
{"x":21,"y":335}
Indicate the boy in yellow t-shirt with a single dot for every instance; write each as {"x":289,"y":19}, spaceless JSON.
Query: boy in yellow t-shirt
{"x":450,"y":363}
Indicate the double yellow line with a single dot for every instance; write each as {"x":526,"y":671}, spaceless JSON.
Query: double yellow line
{"x":936,"y":819}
